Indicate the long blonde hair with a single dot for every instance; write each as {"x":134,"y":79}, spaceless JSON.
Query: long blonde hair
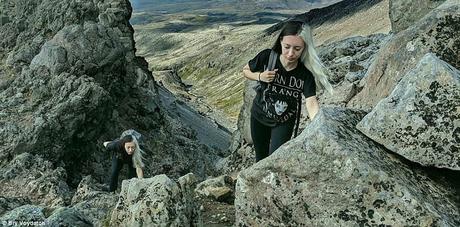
{"x":309,"y":56}
{"x":138,"y":155}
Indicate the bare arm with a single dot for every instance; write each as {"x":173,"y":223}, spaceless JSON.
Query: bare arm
{"x":312,"y":106}
{"x":140,"y":173}
{"x":266,"y":76}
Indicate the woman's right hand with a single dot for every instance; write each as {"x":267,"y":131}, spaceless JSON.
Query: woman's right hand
{"x":268,"y":76}
{"x":106,"y":143}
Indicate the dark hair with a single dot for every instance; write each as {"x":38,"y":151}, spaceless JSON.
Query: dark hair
{"x":290,"y":28}
{"x":126,"y":139}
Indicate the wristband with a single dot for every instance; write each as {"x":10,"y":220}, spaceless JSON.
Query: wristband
{"x":259,"y":76}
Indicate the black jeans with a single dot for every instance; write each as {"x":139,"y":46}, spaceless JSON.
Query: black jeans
{"x":117,"y":164}
{"x":267,"y":139}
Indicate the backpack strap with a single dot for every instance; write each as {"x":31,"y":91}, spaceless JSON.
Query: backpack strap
{"x":269,"y":67}
{"x":297,"y":118}
{"x":272,"y":61}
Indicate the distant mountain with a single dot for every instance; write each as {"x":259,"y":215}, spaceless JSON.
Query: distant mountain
{"x":174,"y":6}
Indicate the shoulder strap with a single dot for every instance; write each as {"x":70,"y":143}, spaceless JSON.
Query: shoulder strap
{"x":272,"y":60}
{"x":297,"y":118}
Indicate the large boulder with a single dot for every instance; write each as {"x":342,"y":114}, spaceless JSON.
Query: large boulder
{"x":420,"y":120}
{"x":405,"y":13}
{"x":437,"y":32}
{"x":156,"y":201}
{"x":333,"y":175}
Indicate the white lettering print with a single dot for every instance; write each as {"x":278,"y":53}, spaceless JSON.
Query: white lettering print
{"x":284,"y":91}
{"x":280,"y":80}
{"x":297,"y":83}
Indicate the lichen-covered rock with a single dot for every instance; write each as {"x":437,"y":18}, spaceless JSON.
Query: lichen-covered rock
{"x":65,"y":216}
{"x":437,"y":32}
{"x":33,"y":178}
{"x":420,"y":120}
{"x":333,"y":175}
{"x":220,"y":189}
{"x":30,"y":215}
{"x":156,"y":201}
{"x":404,"y":13}
{"x":93,"y":201}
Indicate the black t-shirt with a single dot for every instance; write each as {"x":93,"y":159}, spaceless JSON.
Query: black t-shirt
{"x":277,"y":102}
{"x":119,"y":151}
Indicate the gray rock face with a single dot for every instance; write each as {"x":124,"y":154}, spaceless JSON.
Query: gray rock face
{"x":31,"y":177}
{"x":347,"y":62}
{"x":93,"y":202}
{"x":437,"y":32}
{"x":332,"y":175}
{"x":65,"y":216}
{"x":350,"y":56}
{"x":24,"y":214}
{"x":156,"y":201}
{"x":420,"y":120}
{"x":244,"y":119}
{"x":405,"y":13}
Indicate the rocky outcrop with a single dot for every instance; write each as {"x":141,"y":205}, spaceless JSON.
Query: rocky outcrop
{"x":420,"y":120}
{"x":403,"y":14}
{"x":35,"y":179}
{"x":332,"y":175}
{"x":93,"y":201}
{"x":156,"y":201}
{"x":72,"y":81}
{"x":348,"y":61}
{"x":437,"y":32}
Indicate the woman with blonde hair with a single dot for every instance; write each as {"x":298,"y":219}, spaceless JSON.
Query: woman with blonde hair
{"x":289,"y":70}
{"x":125,"y":150}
